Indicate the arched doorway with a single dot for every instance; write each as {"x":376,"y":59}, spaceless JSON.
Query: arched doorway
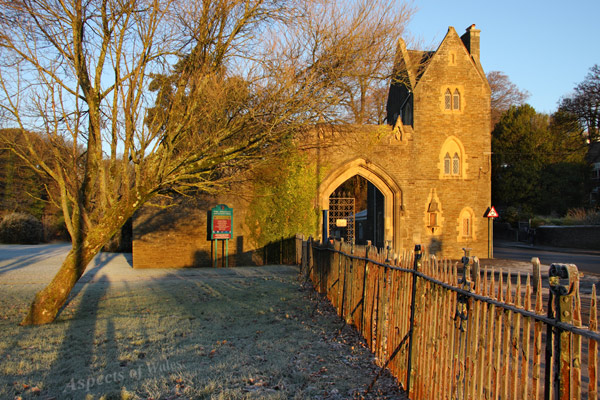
{"x":384,"y":187}
{"x":356,"y":210}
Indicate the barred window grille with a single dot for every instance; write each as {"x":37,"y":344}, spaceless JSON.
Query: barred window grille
{"x":342,"y":208}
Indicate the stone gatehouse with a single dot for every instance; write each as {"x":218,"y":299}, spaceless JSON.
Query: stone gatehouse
{"x":428,"y":170}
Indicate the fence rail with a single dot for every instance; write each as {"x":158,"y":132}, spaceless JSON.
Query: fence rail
{"x":448,"y":332}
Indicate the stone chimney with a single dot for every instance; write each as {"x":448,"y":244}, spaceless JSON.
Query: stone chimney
{"x":471,"y":41}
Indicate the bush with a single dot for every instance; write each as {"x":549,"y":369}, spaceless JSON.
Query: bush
{"x":21,"y":228}
{"x":55,"y":228}
{"x":581,"y":216}
{"x":513,"y":216}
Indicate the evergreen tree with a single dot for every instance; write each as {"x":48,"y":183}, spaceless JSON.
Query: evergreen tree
{"x":537,"y":163}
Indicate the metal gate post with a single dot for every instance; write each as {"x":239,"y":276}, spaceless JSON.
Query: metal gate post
{"x":564,"y":282}
{"x":417,"y":264}
{"x":325,"y":226}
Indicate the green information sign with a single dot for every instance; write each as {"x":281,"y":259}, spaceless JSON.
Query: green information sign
{"x":221,"y":228}
{"x":221,"y":222}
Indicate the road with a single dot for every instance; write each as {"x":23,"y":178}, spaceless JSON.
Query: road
{"x":586,"y":262}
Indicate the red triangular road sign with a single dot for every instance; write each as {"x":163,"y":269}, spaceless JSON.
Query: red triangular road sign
{"x":492,"y":213}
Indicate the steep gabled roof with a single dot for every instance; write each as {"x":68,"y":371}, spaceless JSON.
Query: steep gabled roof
{"x":411,"y":65}
{"x":416,"y":61}
{"x":419,"y":60}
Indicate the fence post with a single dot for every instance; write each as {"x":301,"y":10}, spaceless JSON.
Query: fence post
{"x":564,"y":283}
{"x":417,"y":264}
{"x":298,"y":242}
{"x":537,"y":274}
{"x":364,"y":291}
{"x":309,"y":256}
{"x":304,"y":260}
{"x":340,"y":287}
{"x":384,"y":314}
{"x":281,"y":251}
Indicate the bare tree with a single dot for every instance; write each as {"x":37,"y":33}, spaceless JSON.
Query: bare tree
{"x":504,"y":94}
{"x":141,"y":97}
{"x":584,"y":104}
{"x":362,"y":35}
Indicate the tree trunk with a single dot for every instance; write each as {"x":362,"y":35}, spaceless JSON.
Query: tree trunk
{"x":48,"y":302}
{"x":86,"y":245}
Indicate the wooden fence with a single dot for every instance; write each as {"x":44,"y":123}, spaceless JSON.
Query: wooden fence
{"x":462,"y":332}
{"x":283,"y":251}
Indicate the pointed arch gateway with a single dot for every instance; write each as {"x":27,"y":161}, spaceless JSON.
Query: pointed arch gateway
{"x":392,"y":194}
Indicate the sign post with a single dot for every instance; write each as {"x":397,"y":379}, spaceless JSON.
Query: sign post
{"x":221,"y":228}
{"x":490,"y":215}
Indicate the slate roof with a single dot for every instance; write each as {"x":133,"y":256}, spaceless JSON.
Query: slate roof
{"x":418,"y":61}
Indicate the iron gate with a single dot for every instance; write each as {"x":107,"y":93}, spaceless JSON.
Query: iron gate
{"x":341,"y":218}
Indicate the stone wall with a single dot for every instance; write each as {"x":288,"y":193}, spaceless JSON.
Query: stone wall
{"x":175,"y":235}
{"x":578,"y":237}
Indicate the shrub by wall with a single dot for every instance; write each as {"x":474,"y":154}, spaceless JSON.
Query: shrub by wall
{"x":21,"y":228}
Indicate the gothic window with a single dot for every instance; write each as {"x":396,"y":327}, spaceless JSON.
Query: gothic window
{"x":433,"y":210}
{"x":466,"y":226}
{"x":447,"y":164}
{"x":452,"y":160}
{"x":432,"y":220}
{"x":456,"y":100}
{"x":456,"y":164}
{"x":452,"y":100}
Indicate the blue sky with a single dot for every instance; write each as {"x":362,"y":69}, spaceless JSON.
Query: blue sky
{"x":545,"y":47}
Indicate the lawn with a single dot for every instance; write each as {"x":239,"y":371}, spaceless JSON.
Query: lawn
{"x":243,"y":333}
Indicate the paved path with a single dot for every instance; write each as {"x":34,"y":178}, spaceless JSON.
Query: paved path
{"x":588,"y":261}
{"x":37,"y":264}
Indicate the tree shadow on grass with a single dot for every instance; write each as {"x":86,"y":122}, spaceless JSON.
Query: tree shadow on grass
{"x":87,"y":360}
{"x":200,"y":332}
{"x":26,"y":255}
{"x":77,"y":354}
